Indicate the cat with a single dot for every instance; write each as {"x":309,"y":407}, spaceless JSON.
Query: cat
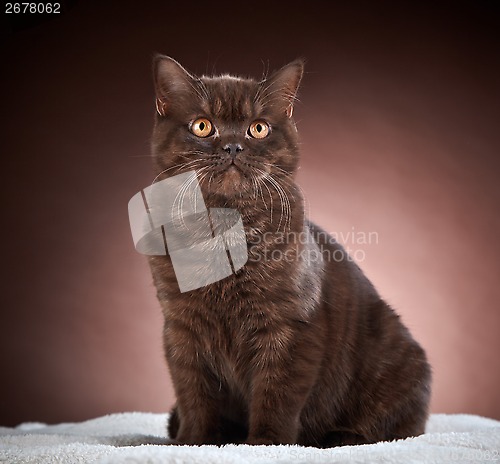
{"x":300,"y":350}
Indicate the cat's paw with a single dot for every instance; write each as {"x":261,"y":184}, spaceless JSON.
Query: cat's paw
{"x":269,"y":440}
{"x":260,"y":441}
{"x":197,"y":439}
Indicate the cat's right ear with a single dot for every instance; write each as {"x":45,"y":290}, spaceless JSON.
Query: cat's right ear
{"x":171,"y":81}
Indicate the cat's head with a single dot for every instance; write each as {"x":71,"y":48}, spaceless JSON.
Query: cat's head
{"x":237,"y":133}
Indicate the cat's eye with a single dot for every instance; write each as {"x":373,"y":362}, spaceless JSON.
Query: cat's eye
{"x":258,"y":129}
{"x":202,"y":127}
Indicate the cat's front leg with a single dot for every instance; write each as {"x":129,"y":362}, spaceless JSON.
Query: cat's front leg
{"x":280,"y":386}
{"x":198,"y":420}
{"x":195,"y":388}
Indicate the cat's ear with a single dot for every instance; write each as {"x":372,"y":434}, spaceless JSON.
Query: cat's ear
{"x":282,"y":86}
{"x":171,"y":81}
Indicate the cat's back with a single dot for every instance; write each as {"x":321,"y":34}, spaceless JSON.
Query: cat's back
{"x":341,"y":271}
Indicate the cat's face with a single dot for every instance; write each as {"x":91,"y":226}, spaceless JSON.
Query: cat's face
{"x":238,"y":134}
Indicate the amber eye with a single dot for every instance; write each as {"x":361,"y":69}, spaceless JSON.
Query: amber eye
{"x":202,"y":127}
{"x":258,"y":129}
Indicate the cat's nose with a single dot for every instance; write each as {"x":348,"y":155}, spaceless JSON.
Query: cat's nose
{"x":232,"y":148}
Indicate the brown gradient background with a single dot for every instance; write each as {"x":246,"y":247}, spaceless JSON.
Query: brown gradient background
{"x":399,"y":122}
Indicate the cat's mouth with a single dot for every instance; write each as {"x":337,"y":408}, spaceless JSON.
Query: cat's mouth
{"x":232,"y":169}
{"x":233,"y":163}
{"x":229,"y":178}
{"x":233,"y":174}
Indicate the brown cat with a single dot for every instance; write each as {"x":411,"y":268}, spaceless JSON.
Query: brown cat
{"x":295,"y":349}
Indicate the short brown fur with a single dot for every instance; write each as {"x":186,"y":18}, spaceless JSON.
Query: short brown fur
{"x":283,"y":351}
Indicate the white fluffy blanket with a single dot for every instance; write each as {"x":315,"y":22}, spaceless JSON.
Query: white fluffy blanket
{"x":140,"y":437}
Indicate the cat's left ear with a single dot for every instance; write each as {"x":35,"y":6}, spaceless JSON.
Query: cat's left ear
{"x":281,"y":88}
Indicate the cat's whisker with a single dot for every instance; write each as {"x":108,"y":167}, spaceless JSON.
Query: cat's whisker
{"x":187,"y":189}
{"x":254,"y":185}
{"x":285,"y":198}
{"x":210,"y":179}
{"x":270,"y":195}
{"x":257,"y":94}
{"x":290,"y":193}
{"x":265,"y":70}
{"x":195,"y":88}
{"x":288,"y":179}
{"x":166,"y":170}
{"x":179,"y":198}
{"x":259,"y":184}
{"x":304,"y":198}
{"x":204,"y":89}
{"x":260,"y":192}
{"x":176,"y":202}
{"x":179,"y":166}
{"x":269,"y":96}
{"x":200,"y":181}
{"x":263,"y":90}
{"x":285,"y":202}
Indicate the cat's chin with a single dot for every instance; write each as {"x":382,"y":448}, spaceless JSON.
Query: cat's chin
{"x":232,"y":175}
{"x":232,"y":181}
